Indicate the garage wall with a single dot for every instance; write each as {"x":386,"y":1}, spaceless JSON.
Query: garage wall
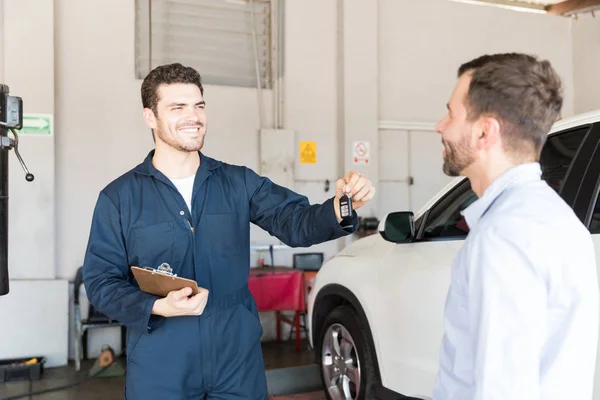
{"x":421,"y":45}
{"x":586,"y":63}
{"x":34,"y":313}
{"x":310,"y":106}
{"x":33,"y":81}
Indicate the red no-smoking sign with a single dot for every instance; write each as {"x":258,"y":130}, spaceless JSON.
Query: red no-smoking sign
{"x":361,"y":152}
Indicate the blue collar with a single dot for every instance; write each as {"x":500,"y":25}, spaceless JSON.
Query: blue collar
{"x":207,"y":165}
{"x":147,"y":168}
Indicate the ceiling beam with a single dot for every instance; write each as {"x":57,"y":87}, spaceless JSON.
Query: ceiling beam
{"x":569,"y":7}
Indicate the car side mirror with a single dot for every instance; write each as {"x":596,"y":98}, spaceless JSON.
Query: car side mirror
{"x":398,"y":227}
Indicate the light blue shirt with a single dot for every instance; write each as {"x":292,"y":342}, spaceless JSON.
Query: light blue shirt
{"x":521,"y":314}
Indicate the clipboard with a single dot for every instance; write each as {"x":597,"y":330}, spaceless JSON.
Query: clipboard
{"x":161,"y":281}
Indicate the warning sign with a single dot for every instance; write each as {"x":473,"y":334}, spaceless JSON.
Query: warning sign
{"x":361,"y":153}
{"x":308,"y":152}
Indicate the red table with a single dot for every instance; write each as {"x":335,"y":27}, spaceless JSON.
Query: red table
{"x":278,"y":289}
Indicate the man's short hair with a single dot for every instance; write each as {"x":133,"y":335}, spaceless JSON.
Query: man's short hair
{"x":167,"y":74}
{"x":521,"y":91}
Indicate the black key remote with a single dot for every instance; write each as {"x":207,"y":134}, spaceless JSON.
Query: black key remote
{"x":345,"y":206}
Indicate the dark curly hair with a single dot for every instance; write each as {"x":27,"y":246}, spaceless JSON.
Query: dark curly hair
{"x":167,"y":74}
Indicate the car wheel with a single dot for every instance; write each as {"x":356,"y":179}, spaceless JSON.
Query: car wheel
{"x":346,"y":357}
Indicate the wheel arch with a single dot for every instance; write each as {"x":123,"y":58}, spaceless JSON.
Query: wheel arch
{"x":329,"y":297}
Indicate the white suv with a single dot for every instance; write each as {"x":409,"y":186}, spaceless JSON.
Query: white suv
{"x":376,"y":308}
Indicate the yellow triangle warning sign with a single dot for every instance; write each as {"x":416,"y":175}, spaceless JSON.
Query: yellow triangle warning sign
{"x":308,"y":152}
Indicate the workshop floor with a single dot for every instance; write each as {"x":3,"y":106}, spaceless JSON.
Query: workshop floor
{"x":304,"y":396}
{"x":276,"y":355}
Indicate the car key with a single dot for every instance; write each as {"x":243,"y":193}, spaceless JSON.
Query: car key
{"x":345,"y":206}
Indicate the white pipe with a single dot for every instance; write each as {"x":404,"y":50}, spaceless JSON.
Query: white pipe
{"x":275,"y":62}
{"x":261,"y":111}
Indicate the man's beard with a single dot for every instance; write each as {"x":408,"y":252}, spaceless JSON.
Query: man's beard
{"x":180,"y":144}
{"x":459,"y":156}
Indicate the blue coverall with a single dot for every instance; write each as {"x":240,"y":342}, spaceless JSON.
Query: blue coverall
{"x":140,"y":219}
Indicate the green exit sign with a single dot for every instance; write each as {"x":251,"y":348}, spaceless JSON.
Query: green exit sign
{"x":37,"y":124}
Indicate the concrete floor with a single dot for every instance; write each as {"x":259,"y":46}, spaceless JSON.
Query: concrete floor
{"x":276,"y":355}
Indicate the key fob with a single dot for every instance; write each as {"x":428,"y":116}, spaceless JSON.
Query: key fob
{"x":345,"y":206}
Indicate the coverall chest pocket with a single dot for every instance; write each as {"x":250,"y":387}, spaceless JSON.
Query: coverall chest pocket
{"x":225,"y":233}
{"x":155,"y":244}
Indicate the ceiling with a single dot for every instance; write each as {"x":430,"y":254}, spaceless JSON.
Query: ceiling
{"x":565,"y":8}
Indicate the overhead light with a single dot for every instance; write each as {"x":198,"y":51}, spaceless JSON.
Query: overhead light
{"x":509,"y":5}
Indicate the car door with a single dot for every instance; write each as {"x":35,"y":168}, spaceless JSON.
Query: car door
{"x":586,"y":204}
{"x":414,"y":277}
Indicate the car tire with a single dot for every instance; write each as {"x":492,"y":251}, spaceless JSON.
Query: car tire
{"x":344,"y":349}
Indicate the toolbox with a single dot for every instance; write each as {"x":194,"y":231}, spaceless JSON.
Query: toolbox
{"x":22,"y":369}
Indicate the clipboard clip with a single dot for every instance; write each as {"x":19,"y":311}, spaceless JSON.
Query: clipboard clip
{"x":163,"y":268}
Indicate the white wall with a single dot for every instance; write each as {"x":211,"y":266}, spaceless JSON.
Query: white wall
{"x":35,"y":321}
{"x":310,"y":99}
{"x":34,"y":312}
{"x":586,"y":63}
{"x":31,"y":204}
{"x":360,"y":90}
{"x":311,"y":105}
{"x":421,"y":45}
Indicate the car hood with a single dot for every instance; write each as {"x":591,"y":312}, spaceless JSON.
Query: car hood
{"x":363,"y":247}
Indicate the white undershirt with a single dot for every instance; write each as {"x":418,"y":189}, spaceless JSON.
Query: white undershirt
{"x":185,"y":187}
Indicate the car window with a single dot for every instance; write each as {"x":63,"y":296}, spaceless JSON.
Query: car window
{"x":557,"y":155}
{"x":588,"y":191}
{"x":445,"y":218}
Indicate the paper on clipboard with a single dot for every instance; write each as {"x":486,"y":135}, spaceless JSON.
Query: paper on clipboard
{"x":161,"y":281}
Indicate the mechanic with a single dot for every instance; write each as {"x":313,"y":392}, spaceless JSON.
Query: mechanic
{"x":193,"y":212}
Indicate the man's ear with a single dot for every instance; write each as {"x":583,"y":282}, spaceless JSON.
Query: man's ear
{"x":150,"y":118}
{"x":489,"y":132}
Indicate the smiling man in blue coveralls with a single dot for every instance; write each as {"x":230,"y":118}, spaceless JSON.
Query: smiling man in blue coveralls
{"x":193,"y":212}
